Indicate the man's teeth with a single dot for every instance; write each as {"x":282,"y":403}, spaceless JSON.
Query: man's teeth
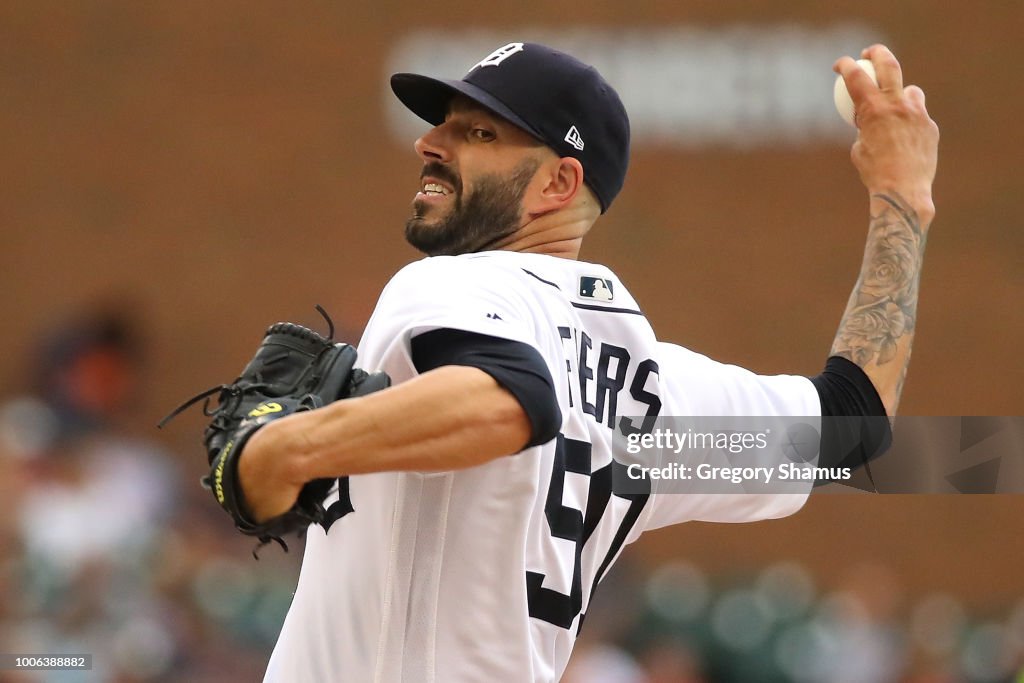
{"x":434,"y":188}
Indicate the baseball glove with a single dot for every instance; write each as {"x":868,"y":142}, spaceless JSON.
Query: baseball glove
{"x":294,"y":369}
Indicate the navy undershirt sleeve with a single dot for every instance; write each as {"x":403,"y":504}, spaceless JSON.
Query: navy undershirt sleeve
{"x":516,"y":366}
{"x":863,"y":432}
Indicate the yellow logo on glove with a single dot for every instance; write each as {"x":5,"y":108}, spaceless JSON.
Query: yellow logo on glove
{"x":265,"y":409}
{"x":218,"y":475}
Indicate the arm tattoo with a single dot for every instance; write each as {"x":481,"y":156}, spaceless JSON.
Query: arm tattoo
{"x":882,"y":310}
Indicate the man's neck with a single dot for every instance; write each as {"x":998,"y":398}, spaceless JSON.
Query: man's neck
{"x":555,"y":234}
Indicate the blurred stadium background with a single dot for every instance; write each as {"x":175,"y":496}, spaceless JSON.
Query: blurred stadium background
{"x":178,"y":175}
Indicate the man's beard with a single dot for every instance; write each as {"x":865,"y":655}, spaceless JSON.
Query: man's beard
{"x":490,"y":214}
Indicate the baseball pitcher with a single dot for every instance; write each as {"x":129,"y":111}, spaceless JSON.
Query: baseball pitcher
{"x":460,"y":519}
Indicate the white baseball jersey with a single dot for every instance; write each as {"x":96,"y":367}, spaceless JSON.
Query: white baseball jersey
{"x":484,"y":574}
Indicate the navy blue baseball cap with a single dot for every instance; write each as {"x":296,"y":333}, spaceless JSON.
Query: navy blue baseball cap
{"x":553,"y":96}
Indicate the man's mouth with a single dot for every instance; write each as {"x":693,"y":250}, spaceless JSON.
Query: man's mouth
{"x":434,"y":187}
{"x":433,"y":190}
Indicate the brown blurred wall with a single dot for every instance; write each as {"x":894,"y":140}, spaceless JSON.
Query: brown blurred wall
{"x":224,"y":165}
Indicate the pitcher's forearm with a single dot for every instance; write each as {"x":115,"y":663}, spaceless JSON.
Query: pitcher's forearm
{"x":877,"y":329}
{"x":446,"y":419}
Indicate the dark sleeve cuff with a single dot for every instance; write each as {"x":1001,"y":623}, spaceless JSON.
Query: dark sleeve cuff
{"x":516,"y":366}
{"x":855,"y":428}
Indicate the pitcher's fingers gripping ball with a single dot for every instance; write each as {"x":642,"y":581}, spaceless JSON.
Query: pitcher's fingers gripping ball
{"x":294,"y":369}
{"x":897,"y":141}
{"x":841,"y":96}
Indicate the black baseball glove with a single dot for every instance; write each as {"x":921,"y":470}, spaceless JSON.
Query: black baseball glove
{"x":294,"y":369}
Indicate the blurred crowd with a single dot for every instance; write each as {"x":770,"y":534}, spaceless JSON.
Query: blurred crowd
{"x":677,"y":624}
{"x":107,"y":549}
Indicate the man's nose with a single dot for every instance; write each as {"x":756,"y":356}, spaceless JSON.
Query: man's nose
{"x":433,"y":145}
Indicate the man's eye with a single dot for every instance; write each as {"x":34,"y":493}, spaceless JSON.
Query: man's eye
{"x":482,"y":134}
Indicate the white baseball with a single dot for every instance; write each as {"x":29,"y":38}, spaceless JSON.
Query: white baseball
{"x":844,"y":104}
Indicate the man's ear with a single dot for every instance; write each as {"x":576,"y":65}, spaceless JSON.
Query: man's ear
{"x":563,"y":179}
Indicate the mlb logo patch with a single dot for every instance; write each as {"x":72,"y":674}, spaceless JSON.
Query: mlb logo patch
{"x":596,"y":288}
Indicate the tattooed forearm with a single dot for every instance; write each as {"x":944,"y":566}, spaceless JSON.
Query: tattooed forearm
{"x":877,"y":328}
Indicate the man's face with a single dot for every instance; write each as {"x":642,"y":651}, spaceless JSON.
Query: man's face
{"x":477,"y":169}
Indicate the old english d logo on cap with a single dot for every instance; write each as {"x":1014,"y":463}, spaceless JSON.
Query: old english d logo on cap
{"x":499,"y":55}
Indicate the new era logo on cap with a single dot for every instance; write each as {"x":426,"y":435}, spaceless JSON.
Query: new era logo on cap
{"x":574,"y":139}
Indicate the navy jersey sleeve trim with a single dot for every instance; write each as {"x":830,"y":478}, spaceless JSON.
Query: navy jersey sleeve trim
{"x":606,"y":309}
{"x":516,"y":366}
{"x":547,"y":282}
{"x":845,"y":391}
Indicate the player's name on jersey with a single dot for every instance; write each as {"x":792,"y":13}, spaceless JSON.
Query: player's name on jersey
{"x":608,"y":380}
